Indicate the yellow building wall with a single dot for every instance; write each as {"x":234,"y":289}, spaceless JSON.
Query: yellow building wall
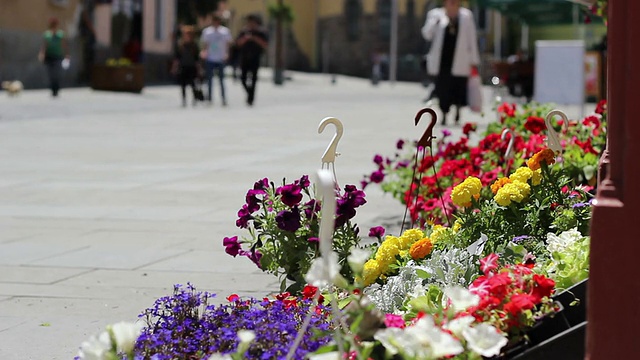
{"x":28,"y":15}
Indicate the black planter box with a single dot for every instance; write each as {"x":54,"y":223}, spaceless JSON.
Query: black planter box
{"x":568,"y":345}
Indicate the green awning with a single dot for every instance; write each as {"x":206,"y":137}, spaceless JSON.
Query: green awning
{"x":537,"y":12}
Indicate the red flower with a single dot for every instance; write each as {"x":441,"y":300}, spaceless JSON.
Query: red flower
{"x":468,"y":128}
{"x":507,"y":109}
{"x":518,"y":303}
{"x":233,"y":298}
{"x":498,"y":284}
{"x":535,"y":124}
{"x":309,"y":292}
{"x":601,"y":107}
{"x":283,"y":296}
{"x":586,"y":146}
{"x":543,"y":287}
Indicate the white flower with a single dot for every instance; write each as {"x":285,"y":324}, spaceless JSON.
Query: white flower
{"x":246,"y":336}
{"x":333,"y":355}
{"x":418,"y":291}
{"x":357,"y":258}
{"x":423,"y":340}
{"x":325,"y":271}
{"x":456,"y":326}
{"x":220,"y":357}
{"x":125,"y":335}
{"x":559,"y":243}
{"x":484,"y":339}
{"x":461,"y":298}
{"x":96,"y":348}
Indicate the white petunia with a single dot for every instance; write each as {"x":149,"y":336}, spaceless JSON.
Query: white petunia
{"x":558,"y":243}
{"x":96,"y":348}
{"x":125,"y":335}
{"x":246,"y":336}
{"x":357,"y":258}
{"x":484,"y":339}
{"x":325,"y":271}
{"x":456,"y":326}
{"x":333,"y":355}
{"x":461,"y":298}
{"x":220,"y":357}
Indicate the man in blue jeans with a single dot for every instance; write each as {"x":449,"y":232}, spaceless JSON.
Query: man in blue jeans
{"x":216,"y":40}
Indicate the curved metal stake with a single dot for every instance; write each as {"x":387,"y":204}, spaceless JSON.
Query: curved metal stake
{"x":330,"y":154}
{"x":427,"y":136}
{"x":553,"y":139}
{"x":327,"y":196}
{"x":508,"y":154}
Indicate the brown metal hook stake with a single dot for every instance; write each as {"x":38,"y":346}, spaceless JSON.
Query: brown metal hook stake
{"x":424,"y":143}
{"x":427,"y":136}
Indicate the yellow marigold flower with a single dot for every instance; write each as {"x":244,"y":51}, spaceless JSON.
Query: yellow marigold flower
{"x":371,"y":272}
{"x":546,"y":155}
{"x":499,"y":184}
{"x":386,"y":255}
{"x":410,"y":236}
{"x":515,"y":191}
{"x":523,"y":174}
{"x":438,"y":232}
{"x":421,"y":248}
{"x":456,"y":226}
{"x":404,"y":253}
{"x":536,"y":179}
{"x":470,"y":187}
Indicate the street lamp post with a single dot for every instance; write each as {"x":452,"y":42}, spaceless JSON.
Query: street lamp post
{"x":278,"y":78}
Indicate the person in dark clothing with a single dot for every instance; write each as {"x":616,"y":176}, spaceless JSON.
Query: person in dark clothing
{"x":186,"y":63}
{"x":53,"y":51}
{"x":251,"y":43}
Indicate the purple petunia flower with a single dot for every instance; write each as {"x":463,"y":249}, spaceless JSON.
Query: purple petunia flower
{"x":255,"y":256}
{"x":313,"y":240}
{"x":304,"y":181}
{"x":262,"y":184}
{"x":244,"y":215}
{"x":311,"y":208}
{"x":290,"y":194}
{"x":231,"y":245}
{"x":446,"y":133}
{"x":377,"y":176}
{"x":377,"y":232}
{"x":363,"y":184}
{"x":520,"y":238}
{"x":400,"y":144}
{"x":253,"y":203}
{"x":288,"y":220}
{"x":378,"y":159}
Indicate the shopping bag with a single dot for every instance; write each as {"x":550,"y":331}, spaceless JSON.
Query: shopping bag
{"x":474,"y":92}
{"x":198,"y":94}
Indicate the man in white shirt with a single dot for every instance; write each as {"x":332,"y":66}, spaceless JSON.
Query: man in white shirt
{"x":216,"y":40}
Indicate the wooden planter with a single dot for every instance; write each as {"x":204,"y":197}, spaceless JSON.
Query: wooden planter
{"x":118,"y":78}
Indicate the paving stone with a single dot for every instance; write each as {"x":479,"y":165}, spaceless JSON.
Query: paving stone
{"x":37,"y":275}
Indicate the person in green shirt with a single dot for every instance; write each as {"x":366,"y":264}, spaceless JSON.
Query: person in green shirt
{"x":53,"y":51}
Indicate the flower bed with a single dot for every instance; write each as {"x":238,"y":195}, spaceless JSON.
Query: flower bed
{"x":480,"y":287}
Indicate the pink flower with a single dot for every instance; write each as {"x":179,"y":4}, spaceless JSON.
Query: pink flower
{"x":394,"y":321}
{"x":489,"y":263}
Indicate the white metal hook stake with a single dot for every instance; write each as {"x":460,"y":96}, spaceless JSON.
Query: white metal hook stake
{"x":553,"y":139}
{"x":325,"y":188}
{"x":508,"y":154}
{"x":329,"y":156}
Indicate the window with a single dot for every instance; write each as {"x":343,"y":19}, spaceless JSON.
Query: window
{"x":384,"y":19}
{"x":159,"y":24}
{"x":353,"y":11}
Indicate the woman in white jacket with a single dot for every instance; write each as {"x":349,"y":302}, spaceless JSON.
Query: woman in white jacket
{"x":453,"y":53}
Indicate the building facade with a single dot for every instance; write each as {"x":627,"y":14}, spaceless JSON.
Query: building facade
{"x":96,"y":30}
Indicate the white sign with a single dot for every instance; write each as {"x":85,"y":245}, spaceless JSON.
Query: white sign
{"x":559,"y":72}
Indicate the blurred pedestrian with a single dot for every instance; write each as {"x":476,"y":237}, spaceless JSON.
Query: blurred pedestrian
{"x":53,"y":51}
{"x":215,"y":40}
{"x":186,"y":65}
{"x":251,"y":43}
{"x":453,"y":53}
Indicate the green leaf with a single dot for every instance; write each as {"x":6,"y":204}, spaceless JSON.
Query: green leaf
{"x":422,"y":274}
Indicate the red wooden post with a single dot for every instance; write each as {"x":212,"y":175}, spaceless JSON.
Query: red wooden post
{"x":614,"y":284}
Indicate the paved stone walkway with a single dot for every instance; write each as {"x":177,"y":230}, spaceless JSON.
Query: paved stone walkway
{"x":108,"y":199}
